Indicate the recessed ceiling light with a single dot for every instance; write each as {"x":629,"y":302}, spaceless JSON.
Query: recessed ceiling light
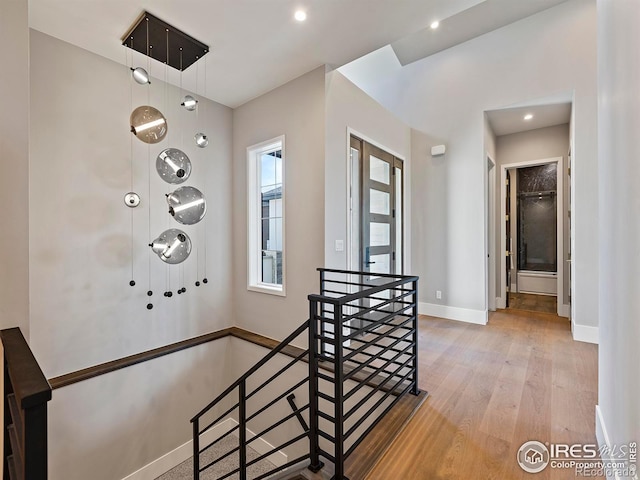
{"x":435,"y":25}
{"x":528,"y":116}
{"x":300,"y":15}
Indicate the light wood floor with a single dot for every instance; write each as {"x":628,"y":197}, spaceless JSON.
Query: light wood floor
{"x":491,"y":388}
{"x":535,"y":303}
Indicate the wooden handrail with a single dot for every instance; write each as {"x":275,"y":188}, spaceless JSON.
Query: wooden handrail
{"x":29,"y":383}
{"x":107,"y":367}
{"x":26,"y":392}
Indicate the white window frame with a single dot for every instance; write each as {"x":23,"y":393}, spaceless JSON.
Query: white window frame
{"x":254,"y":219}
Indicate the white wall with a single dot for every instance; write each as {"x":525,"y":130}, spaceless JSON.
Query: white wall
{"x":295,"y":110}
{"x":348,"y":107}
{"x":535,"y":144}
{"x":83,"y":311}
{"x":426,"y":177}
{"x":619,"y":227}
{"x":445,"y":95}
{"x":110,"y":426}
{"x":14,"y":161}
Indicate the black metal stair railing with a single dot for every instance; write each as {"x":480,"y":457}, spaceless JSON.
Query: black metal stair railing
{"x":264,"y":412}
{"x":364,"y":326}
{"x":362,"y":358}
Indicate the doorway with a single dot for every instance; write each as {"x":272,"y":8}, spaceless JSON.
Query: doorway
{"x":376,"y":220}
{"x":533,"y":235}
{"x":376,"y":209}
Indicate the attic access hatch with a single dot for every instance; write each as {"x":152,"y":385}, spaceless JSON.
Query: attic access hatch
{"x":163,"y":42}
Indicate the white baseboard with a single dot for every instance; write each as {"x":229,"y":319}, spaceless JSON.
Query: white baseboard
{"x":564,"y":309}
{"x":604,"y":444}
{"x":261,"y":446}
{"x":501,"y":302}
{"x":178,"y":455}
{"x":453,"y":313}
{"x":583,"y":333}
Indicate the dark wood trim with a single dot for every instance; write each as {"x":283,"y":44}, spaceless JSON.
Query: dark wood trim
{"x":101,"y":369}
{"x":29,"y":383}
{"x":255,"y":338}
{"x":265,"y":342}
{"x":26,"y":393}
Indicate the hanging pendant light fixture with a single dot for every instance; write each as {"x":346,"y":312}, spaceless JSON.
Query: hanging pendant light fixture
{"x":173,"y":166}
{"x":187,"y":205}
{"x":172,"y":246}
{"x":201,"y":140}
{"x":132,"y":199}
{"x":189,"y":103}
{"x":140,"y":75}
{"x":148,"y":124}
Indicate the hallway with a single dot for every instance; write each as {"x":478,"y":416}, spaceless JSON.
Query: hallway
{"x":492,"y":388}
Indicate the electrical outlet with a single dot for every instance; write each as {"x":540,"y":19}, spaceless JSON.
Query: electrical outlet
{"x":339,"y":245}
{"x":438,"y":294}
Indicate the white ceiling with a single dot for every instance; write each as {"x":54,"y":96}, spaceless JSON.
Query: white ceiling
{"x":256,"y":45}
{"x":477,"y":20}
{"x":511,"y":120}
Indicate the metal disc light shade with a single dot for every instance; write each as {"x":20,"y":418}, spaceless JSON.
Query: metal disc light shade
{"x":173,"y":166}
{"x":148,"y":124}
{"x":201,"y":140}
{"x":172,"y":246}
{"x":187,"y":205}
{"x":189,"y":103}
{"x":140,"y":75}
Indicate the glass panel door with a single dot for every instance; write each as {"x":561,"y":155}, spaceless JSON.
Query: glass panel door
{"x":380,"y":215}
{"x":378,"y":212}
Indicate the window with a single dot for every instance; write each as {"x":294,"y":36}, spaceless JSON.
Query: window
{"x":265,"y":175}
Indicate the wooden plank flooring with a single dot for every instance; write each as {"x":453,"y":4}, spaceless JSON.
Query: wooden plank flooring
{"x":535,"y":303}
{"x":369,"y":452}
{"x":491,"y":388}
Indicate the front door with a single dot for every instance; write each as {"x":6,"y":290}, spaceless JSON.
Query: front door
{"x":376,"y":220}
{"x":380,"y":211}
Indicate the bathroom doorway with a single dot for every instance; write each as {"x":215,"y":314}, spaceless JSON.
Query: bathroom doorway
{"x":533,"y":234}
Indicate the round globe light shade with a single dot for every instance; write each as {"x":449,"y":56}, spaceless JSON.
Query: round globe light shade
{"x":140,"y":75}
{"x":189,"y":103}
{"x":187,"y":205}
{"x":201,"y":140}
{"x":148,"y":124}
{"x":172,"y":246}
{"x":173,"y":166}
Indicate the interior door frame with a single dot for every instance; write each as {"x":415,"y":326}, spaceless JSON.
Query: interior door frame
{"x":349,"y":205}
{"x":560,"y":253}
{"x":490,"y":233}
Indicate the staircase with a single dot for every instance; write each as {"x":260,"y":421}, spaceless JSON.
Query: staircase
{"x":318,"y":405}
